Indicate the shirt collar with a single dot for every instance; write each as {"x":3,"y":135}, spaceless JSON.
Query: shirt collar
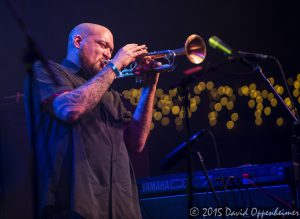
{"x":70,"y":66}
{"x":75,"y":69}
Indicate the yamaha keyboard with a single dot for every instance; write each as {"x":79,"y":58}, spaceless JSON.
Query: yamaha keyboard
{"x":237,"y":177}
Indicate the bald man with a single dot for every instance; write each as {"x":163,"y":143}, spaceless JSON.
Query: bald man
{"x":83,"y":132}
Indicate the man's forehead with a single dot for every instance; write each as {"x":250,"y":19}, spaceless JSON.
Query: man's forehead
{"x":104,"y":37}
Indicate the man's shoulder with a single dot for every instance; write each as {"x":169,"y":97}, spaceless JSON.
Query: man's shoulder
{"x":38,"y":65}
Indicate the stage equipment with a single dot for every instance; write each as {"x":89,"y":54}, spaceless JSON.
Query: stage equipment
{"x":260,"y":175}
{"x":216,"y":43}
{"x":179,"y":152}
{"x":263,"y":187}
{"x":194,"y":49}
{"x":251,"y":60}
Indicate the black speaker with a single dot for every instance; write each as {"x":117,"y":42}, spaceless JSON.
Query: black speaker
{"x":236,"y":203}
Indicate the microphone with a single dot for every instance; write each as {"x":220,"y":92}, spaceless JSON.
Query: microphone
{"x":179,"y":152}
{"x":216,"y":43}
{"x":252,"y":56}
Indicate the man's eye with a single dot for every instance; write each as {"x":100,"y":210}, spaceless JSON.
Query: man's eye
{"x":103,"y":46}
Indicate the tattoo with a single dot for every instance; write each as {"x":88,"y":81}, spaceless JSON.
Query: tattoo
{"x":70,"y":106}
{"x":138,"y":130}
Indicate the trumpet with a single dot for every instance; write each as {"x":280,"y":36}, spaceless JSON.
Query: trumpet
{"x":194,"y":49}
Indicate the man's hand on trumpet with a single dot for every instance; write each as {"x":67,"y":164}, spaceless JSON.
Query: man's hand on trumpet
{"x":128,"y":54}
{"x":148,"y":79}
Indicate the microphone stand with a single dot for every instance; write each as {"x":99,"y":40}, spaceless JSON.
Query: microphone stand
{"x":33,"y":54}
{"x":183,"y":90}
{"x":295,"y":147}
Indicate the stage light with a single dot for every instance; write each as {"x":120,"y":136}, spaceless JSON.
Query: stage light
{"x":218,"y":107}
{"x":175,"y":110}
{"x":245,"y":91}
{"x":165,"y":121}
{"x":197,"y":90}
{"x":270,"y":96}
{"x":133,"y":101}
{"x":230,"y":124}
{"x":173,"y":92}
{"x":160,"y":104}
{"x":296,"y":84}
{"x":234,"y":117}
{"x":279,"y":121}
{"x":252,"y":86}
{"x":157,"y":116}
{"x":221,"y":90}
{"x":264,"y":94}
{"x":279,"y":89}
{"x":258,"y":121}
{"x":178,"y":121}
{"x":212,"y":122}
{"x":197,"y":98}
{"x":253,"y":94}
{"x":267,"y":111}
{"x":260,"y":106}
{"x":159,"y":92}
{"x":228,"y":91}
{"x":152,"y":126}
{"x":165,"y":110}
{"x":230,"y":105}
{"x":193,"y":108}
{"x":288,"y":102}
{"x":259,"y":99}
{"x":296,"y":93}
{"x":126,"y":94}
{"x":202,"y":85}
{"x":274,"y":102}
{"x":271,"y":80}
{"x":251,"y":103}
{"x":257,"y":113}
{"x":134,"y":92}
{"x":209,"y":85}
{"x":224,"y":101}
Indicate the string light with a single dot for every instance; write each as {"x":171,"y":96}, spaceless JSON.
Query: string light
{"x":279,"y":121}
{"x":222,"y":99}
{"x":267,"y":111}
{"x":234,"y":117}
{"x":271,"y":80}
{"x":165,"y":121}
{"x":230,"y":124}
{"x":258,"y":121}
{"x":209,"y":85}
{"x":175,"y":110}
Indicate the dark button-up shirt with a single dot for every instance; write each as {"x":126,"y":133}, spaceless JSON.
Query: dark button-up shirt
{"x":83,"y":167}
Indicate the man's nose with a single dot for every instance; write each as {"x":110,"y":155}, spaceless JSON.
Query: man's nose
{"x":107,"y":53}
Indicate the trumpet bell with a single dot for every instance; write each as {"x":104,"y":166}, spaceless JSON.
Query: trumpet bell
{"x":195,"y":49}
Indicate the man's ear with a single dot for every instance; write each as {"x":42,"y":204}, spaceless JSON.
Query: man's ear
{"x":77,"y":41}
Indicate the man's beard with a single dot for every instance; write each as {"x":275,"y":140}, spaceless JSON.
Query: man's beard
{"x":90,"y":68}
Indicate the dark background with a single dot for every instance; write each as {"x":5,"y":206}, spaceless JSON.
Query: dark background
{"x":268,"y":27}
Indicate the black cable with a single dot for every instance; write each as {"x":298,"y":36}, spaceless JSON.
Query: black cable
{"x":210,"y":182}
{"x":242,"y":193}
{"x":225,"y":189}
{"x":215,"y":148}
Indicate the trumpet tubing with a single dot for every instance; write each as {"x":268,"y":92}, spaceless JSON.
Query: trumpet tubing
{"x":194,"y":49}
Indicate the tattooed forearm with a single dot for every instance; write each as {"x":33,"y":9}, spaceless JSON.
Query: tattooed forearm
{"x":70,"y":106}
{"x":138,"y":129}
